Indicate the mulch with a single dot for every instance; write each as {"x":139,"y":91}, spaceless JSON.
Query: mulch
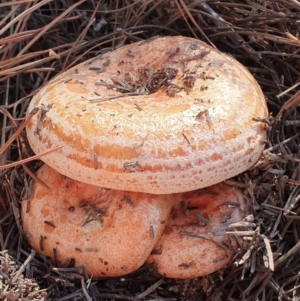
{"x":39,"y":39}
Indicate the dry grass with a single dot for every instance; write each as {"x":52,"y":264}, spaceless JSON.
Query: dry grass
{"x":38,"y":39}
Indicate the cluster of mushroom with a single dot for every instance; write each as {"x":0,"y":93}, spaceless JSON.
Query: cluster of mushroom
{"x":144,"y":129}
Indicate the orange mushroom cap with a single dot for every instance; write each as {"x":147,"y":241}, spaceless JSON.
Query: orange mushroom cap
{"x":111,"y":232}
{"x":167,"y":115}
{"x":194,"y":242}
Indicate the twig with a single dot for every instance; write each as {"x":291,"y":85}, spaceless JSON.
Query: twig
{"x":30,"y":159}
{"x":23,"y":266}
{"x":84,"y":289}
{"x":150,"y":289}
{"x":289,"y":253}
{"x":18,"y":131}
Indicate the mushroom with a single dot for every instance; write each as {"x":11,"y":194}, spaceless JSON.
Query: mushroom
{"x":111,"y":232}
{"x":161,"y":116}
{"x":194,"y":242}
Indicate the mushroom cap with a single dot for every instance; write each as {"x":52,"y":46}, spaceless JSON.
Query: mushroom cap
{"x":111,"y":232}
{"x":161,"y":116}
{"x":194,"y":243}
